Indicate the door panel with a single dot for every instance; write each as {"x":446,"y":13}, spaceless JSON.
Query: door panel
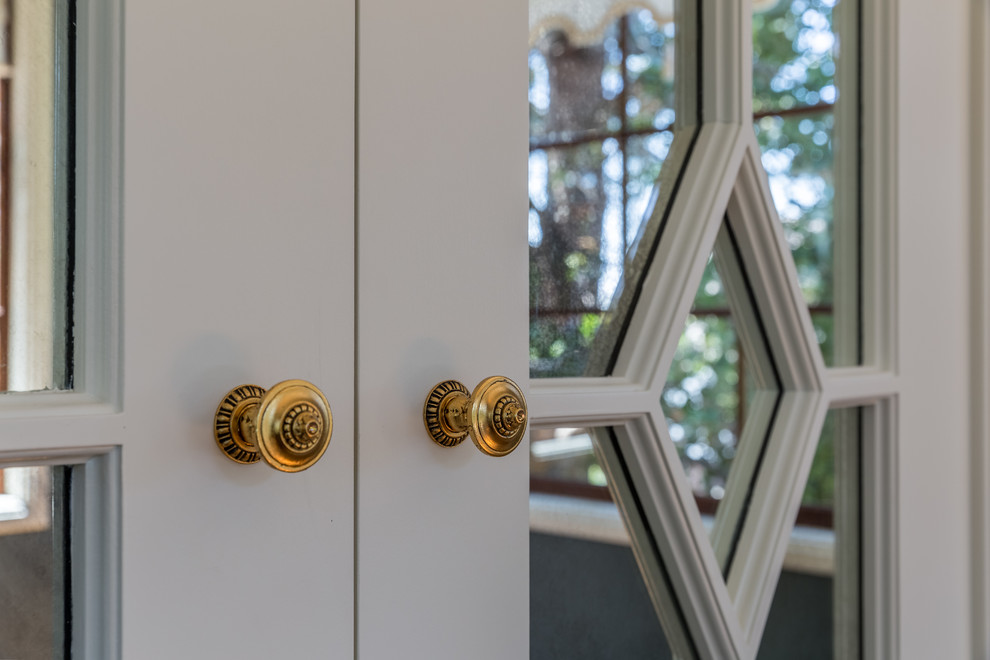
{"x":237,"y":189}
{"x":239,"y":265}
{"x":442,"y":533}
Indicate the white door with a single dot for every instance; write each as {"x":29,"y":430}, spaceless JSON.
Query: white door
{"x":217,"y":183}
{"x":215,"y":222}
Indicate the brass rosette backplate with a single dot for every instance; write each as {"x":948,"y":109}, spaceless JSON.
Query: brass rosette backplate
{"x":494,"y":415}
{"x":289,"y":425}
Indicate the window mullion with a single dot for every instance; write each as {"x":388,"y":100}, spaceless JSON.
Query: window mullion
{"x":726,"y":54}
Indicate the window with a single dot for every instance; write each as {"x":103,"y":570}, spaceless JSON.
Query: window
{"x":682,"y":329}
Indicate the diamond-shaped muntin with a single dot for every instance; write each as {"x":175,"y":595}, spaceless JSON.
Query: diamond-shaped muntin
{"x":723,"y":181}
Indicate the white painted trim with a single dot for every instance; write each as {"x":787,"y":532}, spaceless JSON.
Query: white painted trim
{"x":849,"y":445}
{"x":670,"y":524}
{"x":980,"y":373}
{"x":96,"y":581}
{"x":772,"y":274}
{"x":99,"y":199}
{"x":726,"y":67}
{"x":879,"y":158}
{"x":880,"y":496}
{"x":859,"y":386}
{"x":586,"y":401}
{"x":879,"y":36}
{"x":846,"y":209}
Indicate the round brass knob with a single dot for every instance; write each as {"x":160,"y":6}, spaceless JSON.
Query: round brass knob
{"x":289,"y":425}
{"x":494,"y":415}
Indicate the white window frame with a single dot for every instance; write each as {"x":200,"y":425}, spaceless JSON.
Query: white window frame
{"x":98,"y":176}
{"x":726,"y":621}
{"x":98,"y":345}
{"x":980,"y":303}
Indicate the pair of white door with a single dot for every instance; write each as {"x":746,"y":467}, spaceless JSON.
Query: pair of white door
{"x":218,"y":212}
{"x":335,"y":191}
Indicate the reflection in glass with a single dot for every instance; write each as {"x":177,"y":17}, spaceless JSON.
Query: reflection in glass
{"x":816,"y":612}
{"x":36,"y":195}
{"x":588,"y":602}
{"x":720,"y":399}
{"x":34,"y":568}
{"x":562,"y":461}
{"x":806,"y":121}
{"x":610,"y":125}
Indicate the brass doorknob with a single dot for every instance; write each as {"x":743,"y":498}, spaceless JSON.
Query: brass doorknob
{"x":494,"y":415}
{"x":289,"y":425}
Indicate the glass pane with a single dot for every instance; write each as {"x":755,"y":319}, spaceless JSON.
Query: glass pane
{"x":562,"y":461}
{"x":721,"y":395}
{"x":817,"y":603}
{"x":36,"y":196}
{"x":612,"y":114}
{"x":806,"y":121}
{"x":33,"y":562}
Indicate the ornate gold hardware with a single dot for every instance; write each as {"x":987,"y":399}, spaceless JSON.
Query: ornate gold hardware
{"x":289,"y":425}
{"x":494,"y":415}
